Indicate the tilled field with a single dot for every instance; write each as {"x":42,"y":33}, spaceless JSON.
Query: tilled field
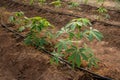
{"x":19,"y":62}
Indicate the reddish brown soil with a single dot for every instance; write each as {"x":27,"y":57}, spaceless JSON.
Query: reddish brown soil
{"x":19,"y":62}
{"x":84,"y":10}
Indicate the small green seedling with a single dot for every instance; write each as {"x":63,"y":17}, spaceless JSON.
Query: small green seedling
{"x":73,"y":4}
{"x":57,"y":3}
{"x":38,"y":1}
{"x":103,"y":12}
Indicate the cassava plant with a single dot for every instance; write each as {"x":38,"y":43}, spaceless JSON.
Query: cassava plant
{"x":67,"y":40}
{"x":35,"y":25}
{"x":75,"y":31}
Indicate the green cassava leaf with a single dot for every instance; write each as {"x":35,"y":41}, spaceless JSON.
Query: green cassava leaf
{"x":71,"y":58}
{"x":78,"y":60}
{"x":71,"y":35}
{"x":56,"y":57}
{"x":97,"y":35}
{"x":71,"y":26}
{"x":63,"y":45}
{"x":62,"y":31}
{"x":12,"y":19}
{"x":77,"y":23}
{"x":19,"y":14}
{"x":92,"y":62}
{"x":21,"y":28}
{"x":93,"y":33}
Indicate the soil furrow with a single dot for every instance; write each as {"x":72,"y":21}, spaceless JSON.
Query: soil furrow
{"x":21,"y":6}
